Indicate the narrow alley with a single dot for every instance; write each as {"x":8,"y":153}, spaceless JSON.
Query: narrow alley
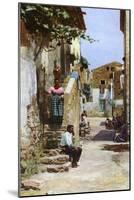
{"x":99,"y":170}
{"x":72,"y":99}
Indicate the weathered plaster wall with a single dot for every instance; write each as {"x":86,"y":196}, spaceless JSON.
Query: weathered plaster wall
{"x":96,"y":95}
{"x":127,"y":68}
{"x":28,"y":84}
{"x":72,"y":106}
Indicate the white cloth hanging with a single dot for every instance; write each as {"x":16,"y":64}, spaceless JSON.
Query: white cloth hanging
{"x":122,"y":81}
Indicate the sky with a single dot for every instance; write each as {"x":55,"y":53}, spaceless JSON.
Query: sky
{"x":103,"y":25}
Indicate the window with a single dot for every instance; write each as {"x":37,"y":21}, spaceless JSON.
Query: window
{"x":107,"y":68}
{"x":102,"y":86}
{"x":112,"y":69}
{"x":102,"y":82}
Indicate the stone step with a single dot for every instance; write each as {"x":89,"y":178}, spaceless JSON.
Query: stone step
{"x":59,"y":133}
{"x":58,"y":168}
{"x":52,"y":143}
{"x":52,"y":136}
{"x":53,"y":133}
{"x":49,"y":132}
{"x":32,"y":184}
{"x":56,"y":128}
{"x":57,"y":160}
{"x":52,"y":152}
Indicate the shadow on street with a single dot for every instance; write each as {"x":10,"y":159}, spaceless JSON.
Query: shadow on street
{"x":116,"y":147}
{"x":104,"y":135}
{"x":102,"y":124}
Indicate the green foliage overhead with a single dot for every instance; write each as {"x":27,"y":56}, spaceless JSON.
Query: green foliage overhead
{"x":54,"y":22}
{"x":84,"y":62}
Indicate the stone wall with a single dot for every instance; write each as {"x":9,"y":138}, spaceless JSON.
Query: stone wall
{"x":36,"y":77}
{"x":72,"y":106}
{"x":28,"y":84}
{"x":125,"y":28}
{"x":117,"y":88}
{"x":30,"y":128}
{"x":127,"y":67}
{"x":29,"y":120}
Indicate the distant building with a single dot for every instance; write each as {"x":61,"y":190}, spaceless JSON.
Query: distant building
{"x":106,"y":89}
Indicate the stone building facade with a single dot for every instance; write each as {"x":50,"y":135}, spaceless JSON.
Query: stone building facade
{"x":28,"y":83}
{"x":106,"y":88}
{"x":36,"y":77}
{"x":38,"y":138}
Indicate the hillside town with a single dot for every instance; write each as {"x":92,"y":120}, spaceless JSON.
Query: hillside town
{"x":60,"y":94}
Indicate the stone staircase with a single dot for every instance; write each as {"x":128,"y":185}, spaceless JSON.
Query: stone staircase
{"x":54,"y":159}
{"x":52,"y":136}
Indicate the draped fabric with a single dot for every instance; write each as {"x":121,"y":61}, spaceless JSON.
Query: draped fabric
{"x":56,"y":108}
{"x":122,"y":81}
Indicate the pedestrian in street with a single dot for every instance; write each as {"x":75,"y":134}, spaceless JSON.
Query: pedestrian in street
{"x":115,"y":123}
{"x":68,"y":146}
{"x":123,"y":136}
{"x":57,"y":72}
{"x":84,"y":113}
{"x":83,"y":121}
{"x":108,"y":124}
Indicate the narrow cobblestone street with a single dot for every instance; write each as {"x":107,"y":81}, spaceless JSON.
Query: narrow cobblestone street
{"x":99,"y":170}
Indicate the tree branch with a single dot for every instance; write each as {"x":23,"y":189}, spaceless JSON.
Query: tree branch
{"x":39,"y":50}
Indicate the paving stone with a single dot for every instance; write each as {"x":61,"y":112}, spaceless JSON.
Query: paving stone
{"x":32,"y":184}
{"x":59,"y":159}
{"x":59,"y":168}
